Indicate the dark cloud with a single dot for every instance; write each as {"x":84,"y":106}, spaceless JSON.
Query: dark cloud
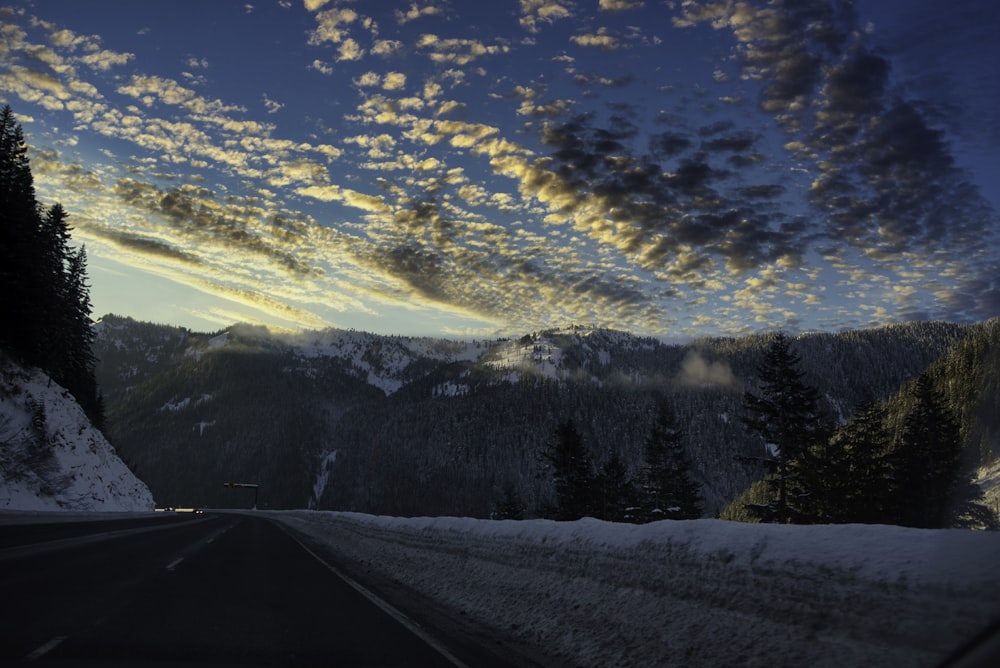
{"x":738,"y":142}
{"x":761,"y":192}
{"x":693,"y":175}
{"x":661,"y":209}
{"x":194,"y":213}
{"x":716,"y":128}
{"x":856,"y":85}
{"x":422,"y":270}
{"x":885,"y":177}
{"x":143,"y":245}
{"x":589,"y":80}
{"x":669,"y":144}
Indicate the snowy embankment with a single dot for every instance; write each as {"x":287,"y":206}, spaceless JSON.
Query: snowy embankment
{"x":696,"y":593}
{"x":51,"y":457}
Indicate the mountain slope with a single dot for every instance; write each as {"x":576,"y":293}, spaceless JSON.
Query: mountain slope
{"x":409,"y":426}
{"x":51,"y":457}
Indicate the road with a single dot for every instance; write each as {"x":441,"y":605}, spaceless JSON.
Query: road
{"x":208,"y":589}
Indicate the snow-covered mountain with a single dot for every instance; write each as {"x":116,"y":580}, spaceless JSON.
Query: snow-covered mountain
{"x":51,"y":457}
{"x":405,"y":425}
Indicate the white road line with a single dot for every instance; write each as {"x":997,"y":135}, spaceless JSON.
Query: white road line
{"x":413,"y":627}
{"x":35,"y":549}
{"x":173,"y":564}
{"x":42,"y":650}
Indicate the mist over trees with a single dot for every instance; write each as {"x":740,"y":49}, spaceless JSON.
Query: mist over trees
{"x":44,"y":293}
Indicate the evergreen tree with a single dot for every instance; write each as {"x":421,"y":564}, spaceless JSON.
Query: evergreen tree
{"x":866,"y":441}
{"x":572,"y":472}
{"x":44,"y":296}
{"x":616,"y":494}
{"x":787,"y":418}
{"x":668,"y":490}
{"x":926,"y":462}
{"x":22,"y":253}
{"x":511,"y":507}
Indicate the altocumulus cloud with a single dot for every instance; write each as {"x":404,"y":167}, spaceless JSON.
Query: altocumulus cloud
{"x":509,"y":167}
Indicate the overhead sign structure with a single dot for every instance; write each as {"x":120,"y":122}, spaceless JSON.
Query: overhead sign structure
{"x":246,"y":485}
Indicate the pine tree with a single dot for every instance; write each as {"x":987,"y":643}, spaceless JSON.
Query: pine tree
{"x":616,"y":494}
{"x":926,"y":462}
{"x":511,"y":507}
{"x":787,"y":417}
{"x":22,"y":252}
{"x":44,"y":296}
{"x":866,"y":441}
{"x":572,"y":472}
{"x":668,"y":490}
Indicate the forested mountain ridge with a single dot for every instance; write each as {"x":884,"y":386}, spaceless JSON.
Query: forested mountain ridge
{"x":410,"y":426}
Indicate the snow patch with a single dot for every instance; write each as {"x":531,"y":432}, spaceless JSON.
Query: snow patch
{"x":219,"y":341}
{"x":322,"y":477}
{"x":52,"y":457}
{"x":202,"y":426}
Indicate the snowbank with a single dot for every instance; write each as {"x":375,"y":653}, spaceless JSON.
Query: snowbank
{"x":51,"y":457}
{"x":696,"y":593}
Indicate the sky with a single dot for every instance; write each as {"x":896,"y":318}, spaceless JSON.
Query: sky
{"x":460,"y":168}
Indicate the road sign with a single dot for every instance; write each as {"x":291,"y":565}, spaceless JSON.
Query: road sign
{"x":244,"y":485}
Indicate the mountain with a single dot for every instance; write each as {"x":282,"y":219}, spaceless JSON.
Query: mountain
{"x":417,"y":426}
{"x":52,"y":458}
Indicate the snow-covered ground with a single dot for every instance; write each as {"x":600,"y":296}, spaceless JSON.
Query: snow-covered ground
{"x":51,"y":458}
{"x":695,"y":593}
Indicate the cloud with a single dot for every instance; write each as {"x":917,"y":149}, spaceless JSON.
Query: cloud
{"x":332,"y":25}
{"x":886,"y":180}
{"x":415,"y":12}
{"x":194,"y":214}
{"x":272,"y":106}
{"x":394,"y":81}
{"x":144,"y":245}
{"x":599,"y":40}
{"x":566,"y":192}
{"x":534,"y":12}
{"x":321,"y":67}
{"x":349,"y":50}
{"x":457,"y":51}
{"x":620,"y":5}
{"x":386,"y":47}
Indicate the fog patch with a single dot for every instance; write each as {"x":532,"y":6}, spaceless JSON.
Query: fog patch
{"x":696,"y":371}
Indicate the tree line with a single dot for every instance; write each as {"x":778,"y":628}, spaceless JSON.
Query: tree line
{"x":893,"y":462}
{"x":899,"y":461}
{"x":663,"y":489}
{"x":44,"y":290}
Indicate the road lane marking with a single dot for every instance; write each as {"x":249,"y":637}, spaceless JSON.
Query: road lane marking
{"x":42,"y":650}
{"x":398,"y":615}
{"x":36,"y":549}
{"x":173,"y":564}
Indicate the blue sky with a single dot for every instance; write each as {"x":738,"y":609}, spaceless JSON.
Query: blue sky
{"x":468,"y":169}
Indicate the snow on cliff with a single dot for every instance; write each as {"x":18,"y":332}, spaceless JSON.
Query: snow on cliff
{"x":51,"y":457}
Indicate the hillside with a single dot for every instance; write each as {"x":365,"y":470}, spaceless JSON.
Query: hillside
{"x":51,"y":457}
{"x":410,"y":426}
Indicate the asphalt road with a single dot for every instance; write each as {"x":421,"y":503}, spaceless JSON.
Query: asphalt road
{"x":202,"y":590}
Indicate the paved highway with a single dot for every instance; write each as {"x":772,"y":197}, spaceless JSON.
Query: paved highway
{"x":208,"y":589}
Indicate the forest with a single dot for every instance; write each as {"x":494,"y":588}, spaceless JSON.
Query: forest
{"x":44,"y":289}
{"x":497,"y":429}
